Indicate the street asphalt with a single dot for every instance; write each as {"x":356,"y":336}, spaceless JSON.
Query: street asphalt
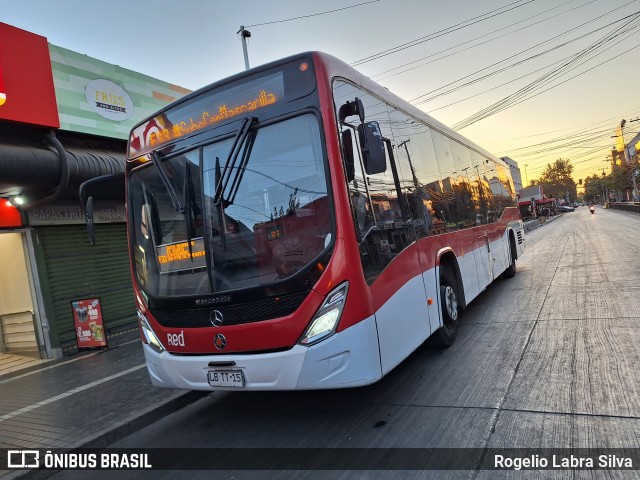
{"x":547,"y":359}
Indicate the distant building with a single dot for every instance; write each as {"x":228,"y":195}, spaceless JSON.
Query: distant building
{"x":617,"y":158}
{"x":515,"y":173}
{"x":498,"y":188}
{"x":633,"y":146}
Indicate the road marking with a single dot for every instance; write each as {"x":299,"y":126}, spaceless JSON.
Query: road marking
{"x":69,"y":393}
{"x":47,"y":368}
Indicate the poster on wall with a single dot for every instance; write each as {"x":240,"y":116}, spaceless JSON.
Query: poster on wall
{"x":87,"y":318}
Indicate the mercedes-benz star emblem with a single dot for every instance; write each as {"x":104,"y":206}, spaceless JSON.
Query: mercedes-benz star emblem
{"x":220,"y":341}
{"x":216,"y":318}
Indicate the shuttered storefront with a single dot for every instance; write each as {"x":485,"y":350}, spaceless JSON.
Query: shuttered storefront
{"x":72,"y":269}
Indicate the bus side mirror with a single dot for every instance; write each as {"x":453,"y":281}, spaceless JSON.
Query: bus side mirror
{"x":347,"y":150}
{"x":104,"y":187}
{"x":372,"y":147}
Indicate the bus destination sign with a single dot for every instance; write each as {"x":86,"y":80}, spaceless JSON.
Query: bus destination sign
{"x":206,"y":110}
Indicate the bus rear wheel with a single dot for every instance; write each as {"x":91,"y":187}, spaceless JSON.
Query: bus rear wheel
{"x":511,"y":269}
{"x":450,"y":307}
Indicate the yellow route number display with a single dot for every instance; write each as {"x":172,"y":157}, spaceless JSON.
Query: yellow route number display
{"x":175,"y":257}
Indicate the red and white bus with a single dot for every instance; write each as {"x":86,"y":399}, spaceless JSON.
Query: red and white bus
{"x":297,"y":226}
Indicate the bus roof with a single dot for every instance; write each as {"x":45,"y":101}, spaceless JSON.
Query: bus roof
{"x":337,"y":68}
{"x":332,"y":67}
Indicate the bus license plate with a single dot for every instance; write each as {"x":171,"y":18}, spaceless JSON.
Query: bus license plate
{"x":226,"y":378}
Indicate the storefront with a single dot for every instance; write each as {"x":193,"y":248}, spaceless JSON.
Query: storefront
{"x":64,"y":118}
{"x":19,"y":331}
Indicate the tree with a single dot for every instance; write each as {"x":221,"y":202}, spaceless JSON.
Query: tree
{"x":618,"y":182}
{"x":594,"y":187}
{"x":556,"y":180}
{"x":620,"y":177}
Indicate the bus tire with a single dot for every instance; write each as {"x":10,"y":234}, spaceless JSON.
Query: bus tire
{"x":450,"y":307}
{"x":511,"y":269}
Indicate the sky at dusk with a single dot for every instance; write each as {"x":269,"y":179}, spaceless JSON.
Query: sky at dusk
{"x":553,"y":77}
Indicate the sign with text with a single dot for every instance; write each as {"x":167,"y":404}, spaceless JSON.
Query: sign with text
{"x":105,"y":99}
{"x":175,"y":257}
{"x":109,"y":100}
{"x":73,"y":214}
{"x":87,"y":318}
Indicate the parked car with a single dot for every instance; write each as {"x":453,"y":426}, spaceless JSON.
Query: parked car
{"x":566,"y":208}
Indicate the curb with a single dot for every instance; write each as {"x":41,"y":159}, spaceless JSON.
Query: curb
{"x":118,"y":431}
{"x":533,"y":224}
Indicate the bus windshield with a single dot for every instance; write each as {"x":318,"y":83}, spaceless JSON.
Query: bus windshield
{"x":256,"y":204}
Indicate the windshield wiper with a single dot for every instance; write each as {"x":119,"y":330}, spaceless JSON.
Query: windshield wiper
{"x":228,"y":174}
{"x":219,"y":208}
{"x":167,"y":184}
{"x":187,"y":206}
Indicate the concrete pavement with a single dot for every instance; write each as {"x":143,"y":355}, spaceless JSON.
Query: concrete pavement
{"x":545,"y":359}
{"x":89,"y":400}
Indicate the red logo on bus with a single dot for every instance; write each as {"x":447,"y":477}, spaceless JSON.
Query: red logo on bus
{"x":220,"y":341}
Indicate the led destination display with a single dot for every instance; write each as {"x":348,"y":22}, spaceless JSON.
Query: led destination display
{"x":206,"y":111}
{"x":173,"y":257}
{"x":218,"y":105}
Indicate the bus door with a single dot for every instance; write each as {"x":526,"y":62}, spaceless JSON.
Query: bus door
{"x":388,"y":253}
{"x":483,"y":258}
{"x":483,"y":254}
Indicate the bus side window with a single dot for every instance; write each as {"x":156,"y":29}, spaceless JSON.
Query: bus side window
{"x":381,"y":216}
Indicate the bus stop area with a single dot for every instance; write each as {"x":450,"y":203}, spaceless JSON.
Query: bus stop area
{"x":85,"y":401}
{"x":532,"y":223}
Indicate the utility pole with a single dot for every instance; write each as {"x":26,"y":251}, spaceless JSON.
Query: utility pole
{"x":416,"y":184}
{"x":627,"y":159}
{"x":465,"y":174}
{"x":636,"y":195}
{"x":623,"y":122}
{"x":526,"y":178}
{"x":244,"y":34}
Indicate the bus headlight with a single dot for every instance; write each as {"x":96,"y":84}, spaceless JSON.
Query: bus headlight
{"x":326,"y":319}
{"x":148,"y":335}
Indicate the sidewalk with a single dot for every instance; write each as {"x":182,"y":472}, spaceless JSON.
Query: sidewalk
{"x":89,"y":400}
{"x":531,"y":224}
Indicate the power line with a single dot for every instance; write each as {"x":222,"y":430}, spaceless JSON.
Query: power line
{"x":311,"y":15}
{"x":478,"y":38}
{"x":588,"y":159}
{"x":440,"y":33}
{"x":574,"y":130}
{"x":420,"y":98}
{"x":509,"y":102}
{"x":577,"y":60}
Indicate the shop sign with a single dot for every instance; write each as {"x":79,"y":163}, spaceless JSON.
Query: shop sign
{"x":27,"y":92}
{"x":87,"y":319}
{"x":74,"y":214}
{"x":109,"y":100}
{"x":105,"y":99}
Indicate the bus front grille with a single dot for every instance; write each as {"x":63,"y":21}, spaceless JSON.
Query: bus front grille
{"x":236,"y":314}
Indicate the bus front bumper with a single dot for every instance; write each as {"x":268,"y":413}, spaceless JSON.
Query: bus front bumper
{"x":350,"y":358}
